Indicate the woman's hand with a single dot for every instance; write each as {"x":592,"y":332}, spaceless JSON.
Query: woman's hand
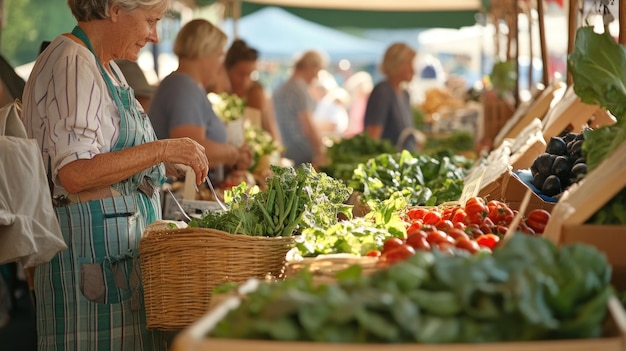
{"x":187,"y":152}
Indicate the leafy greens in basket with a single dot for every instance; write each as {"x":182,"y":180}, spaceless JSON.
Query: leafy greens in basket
{"x":294,"y":199}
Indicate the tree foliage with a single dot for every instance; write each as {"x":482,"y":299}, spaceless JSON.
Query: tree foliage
{"x":28,"y":23}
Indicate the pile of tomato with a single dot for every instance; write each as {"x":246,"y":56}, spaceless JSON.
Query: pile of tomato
{"x":478,"y":226}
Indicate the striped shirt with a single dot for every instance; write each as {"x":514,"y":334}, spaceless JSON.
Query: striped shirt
{"x":67,"y":106}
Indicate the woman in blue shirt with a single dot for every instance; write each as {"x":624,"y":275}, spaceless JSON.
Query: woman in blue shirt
{"x":388,"y":114}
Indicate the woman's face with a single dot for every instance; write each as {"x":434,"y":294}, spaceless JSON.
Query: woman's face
{"x":240,"y":75}
{"x":406,"y":71}
{"x":212,"y":64}
{"x":134,"y":29}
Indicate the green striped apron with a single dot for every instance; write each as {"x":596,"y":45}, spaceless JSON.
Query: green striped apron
{"x":89,"y":297}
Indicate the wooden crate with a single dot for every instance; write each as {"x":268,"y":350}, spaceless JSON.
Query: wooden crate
{"x":581,"y":200}
{"x":530,"y":110}
{"x":194,"y":339}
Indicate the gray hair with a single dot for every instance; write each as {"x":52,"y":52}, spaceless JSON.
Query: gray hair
{"x":88,"y":10}
{"x":395,"y":56}
{"x":199,"y":37}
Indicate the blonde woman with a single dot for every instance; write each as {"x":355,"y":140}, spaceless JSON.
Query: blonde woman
{"x":388,"y":114}
{"x":180,"y":107}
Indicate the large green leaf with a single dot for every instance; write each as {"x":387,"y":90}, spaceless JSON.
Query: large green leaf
{"x":598,"y":68}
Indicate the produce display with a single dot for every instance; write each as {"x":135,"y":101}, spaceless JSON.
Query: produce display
{"x":527,"y":289}
{"x":346,"y":154}
{"x":477,"y":227}
{"x":294,"y":199}
{"x":423,"y":180}
{"x":597,"y":68}
{"x":562,"y":164}
{"x":358,"y":235}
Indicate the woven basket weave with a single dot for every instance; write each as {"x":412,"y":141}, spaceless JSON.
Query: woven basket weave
{"x":181,"y":267}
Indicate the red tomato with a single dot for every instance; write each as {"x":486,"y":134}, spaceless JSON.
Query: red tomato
{"x":413,"y":228}
{"x":455,"y":234}
{"x":373,"y":253}
{"x":467,"y":244}
{"x":432,"y":217}
{"x":475,"y":213}
{"x":392,"y":243}
{"x":399,"y":253}
{"x":438,"y":237}
{"x":444,"y":225}
{"x":537,"y":220}
{"x":502,"y":214}
{"x":459,"y":216}
{"x":475,"y":200}
{"x":416,"y":213}
{"x":500,"y":229}
{"x":473,"y":231}
{"x":488,"y":240}
{"x":487,"y":226}
{"x":418,"y":242}
{"x":494,"y":204}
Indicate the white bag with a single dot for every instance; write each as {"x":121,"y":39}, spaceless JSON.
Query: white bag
{"x":29,"y":229}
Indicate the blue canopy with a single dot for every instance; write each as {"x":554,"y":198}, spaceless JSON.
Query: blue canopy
{"x":280,"y":35}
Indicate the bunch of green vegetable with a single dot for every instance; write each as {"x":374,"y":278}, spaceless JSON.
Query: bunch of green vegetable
{"x":527,"y":290}
{"x":358,"y":235}
{"x":294,"y":199}
{"x":422,"y":180}
{"x":346,"y":154}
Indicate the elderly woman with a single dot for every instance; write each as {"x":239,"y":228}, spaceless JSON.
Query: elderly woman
{"x":180,"y":107}
{"x":104,"y":167}
{"x":388,"y":114}
{"x":294,"y":107}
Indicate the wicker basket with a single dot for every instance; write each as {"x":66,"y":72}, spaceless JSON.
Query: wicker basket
{"x":181,"y":267}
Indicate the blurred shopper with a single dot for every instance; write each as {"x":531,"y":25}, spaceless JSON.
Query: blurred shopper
{"x":359,"y":86}
{"x":240,"y":63}
{"x":294,"y":107}
{"x":388,"y":114}
{"x":180,"y":107}
{"x":331,"y":113}
{"x":104,"y":169}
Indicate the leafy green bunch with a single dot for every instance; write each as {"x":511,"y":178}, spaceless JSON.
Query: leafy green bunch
{"x":422,"y":180}
{"x":527,"y":290}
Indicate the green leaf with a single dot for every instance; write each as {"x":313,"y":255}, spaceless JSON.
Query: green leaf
{"x":598,"y":68}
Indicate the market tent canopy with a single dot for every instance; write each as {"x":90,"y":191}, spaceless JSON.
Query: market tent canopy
{"x":280,"y":35}
{"x":369,"y":13}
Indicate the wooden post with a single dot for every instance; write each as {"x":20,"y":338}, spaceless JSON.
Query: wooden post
{"x":542,"y":44}
{"x":572,"y":25}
